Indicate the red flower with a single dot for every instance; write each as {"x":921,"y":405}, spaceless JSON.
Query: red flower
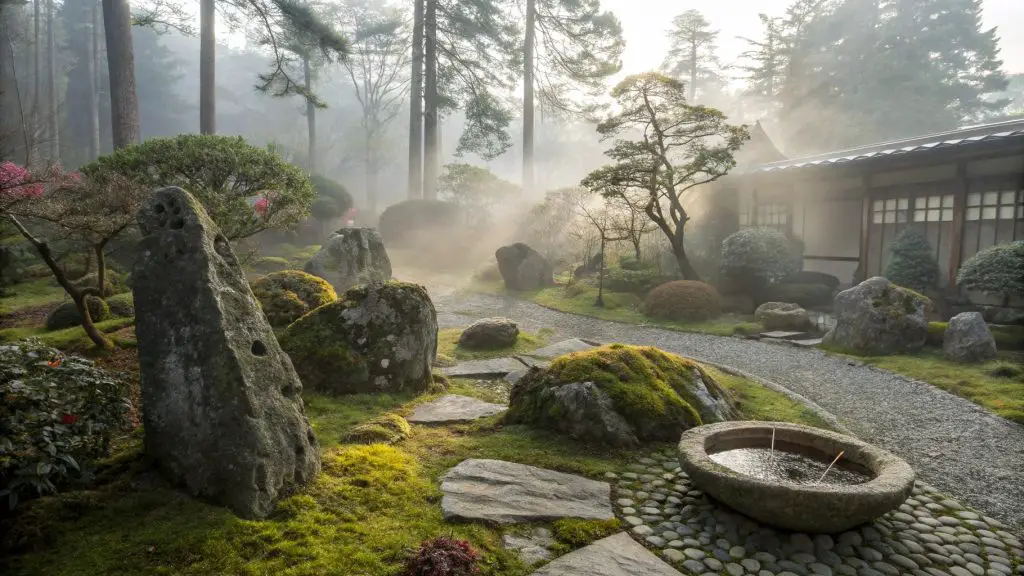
{"x":262,"y":206}
{"x":68,"y":419}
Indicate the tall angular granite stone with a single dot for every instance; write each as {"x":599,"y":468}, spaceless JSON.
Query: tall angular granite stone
{"x":351,"y":256}
{"x":221,"y":402}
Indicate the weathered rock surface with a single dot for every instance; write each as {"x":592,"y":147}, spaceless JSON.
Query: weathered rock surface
{"x":617,"y":555}
{"x":968,"y":339}
{"x":222,"y":404}
{"x":878,"y":317}
{"x":782,"y":316}
{"x":351,"y":256}
{"x":561,"y":348}
{"x":531,"y":547}
{"x":1003,"y":315}
{"x":506,"y":493}
{"x":491,"y":368}
{"x":375,"y":338}
{"x":523,"y":268}
{"x":454,"y":408}
{"x":490,"y":333}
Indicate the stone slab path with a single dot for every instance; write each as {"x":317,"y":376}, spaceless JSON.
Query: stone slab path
{"x":930,"y":534}
{"x":453,"y":408}
{"x":617,"y":555}
{"x":496,"y":368}
{"x":508,"y":493}
{"x":953,"y":444}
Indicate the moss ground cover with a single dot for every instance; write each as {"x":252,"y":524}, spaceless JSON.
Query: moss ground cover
{"x":448,"y":345}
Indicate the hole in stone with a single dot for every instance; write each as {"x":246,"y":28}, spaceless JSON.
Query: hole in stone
{"x":159,"y":209}
{"x":177,"y":210}
{"x":258,"y":348}
{"x":162,"y":221}
{"x":180,"y":251}
{"x":177,"y":224}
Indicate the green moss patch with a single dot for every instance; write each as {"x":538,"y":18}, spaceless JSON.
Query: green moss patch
{"x":384,"y":429}
{"x":448,"y":346}
{"x":286,"y":296}
{"x":572,"y":533}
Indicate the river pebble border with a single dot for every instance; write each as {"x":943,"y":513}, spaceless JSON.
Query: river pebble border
{"x":929,"y":535}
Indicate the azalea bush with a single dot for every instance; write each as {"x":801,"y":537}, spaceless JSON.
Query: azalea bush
{"x":245,"y":189}
{"x":56,"y":413}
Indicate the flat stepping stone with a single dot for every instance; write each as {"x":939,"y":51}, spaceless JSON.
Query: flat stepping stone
{"x":561,"y":348}
{"x":783,"y":334}
{"x":810,"y":342}
{"x":617,"y":555}
{"x":494,"y":368}
{"x":507,"y":493}
{"x":531,"y":362}
{"x":453,"y":408}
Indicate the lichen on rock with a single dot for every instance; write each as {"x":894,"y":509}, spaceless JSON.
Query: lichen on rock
{"x":619,"y":395}
{"x":375,"y":338}
{"x":878,"y":317}
{"x":351,"y":256}
{"x":222,"y":405}
{"x":286,"y":296}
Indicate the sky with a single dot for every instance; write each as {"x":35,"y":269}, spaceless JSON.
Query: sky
{"x":644,"y":23}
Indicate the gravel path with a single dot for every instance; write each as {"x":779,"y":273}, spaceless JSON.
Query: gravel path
{"x":953,"y":444}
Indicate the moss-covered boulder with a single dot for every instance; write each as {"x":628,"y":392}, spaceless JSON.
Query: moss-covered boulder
{"x":878,"y":317}
{"x":782,"y":316}
{"x":384,"y":429}
{"x":286,"y":296}
{"x":619,"y":395}
{"x":66,"y":315}
{"x":375,"y":338}
{"x":122,"y":305}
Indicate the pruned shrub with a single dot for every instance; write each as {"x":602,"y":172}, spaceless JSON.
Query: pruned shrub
{"x":638,"y":282}
{"x":754,"y":258}
{"x":56,"y":412}
{"x":806,"y":295}
{"x":327,"y":188}
{"x":997,"y":270}
{"x":288,"y":295}
{"x":66,"y":315}
{"x":912,"y":261}
{"x":114,"y":283}
{"x":406,"y":223}
{"x":121,"y":305}
{"x":443,"y":556}
{"x":683,"y":301}
{"x":631,"y":263}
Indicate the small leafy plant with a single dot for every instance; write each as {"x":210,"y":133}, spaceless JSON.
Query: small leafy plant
{"x":56,"y":411}
{"x":443,"y":556}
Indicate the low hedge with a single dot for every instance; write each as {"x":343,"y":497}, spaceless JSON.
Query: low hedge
{"x":639,"y":282}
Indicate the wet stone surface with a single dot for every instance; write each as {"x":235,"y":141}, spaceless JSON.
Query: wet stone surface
{"x":929,"y":535}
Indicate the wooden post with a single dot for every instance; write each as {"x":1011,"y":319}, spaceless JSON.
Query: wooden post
{"x":865,"y":232}
{"x":956,"y":247}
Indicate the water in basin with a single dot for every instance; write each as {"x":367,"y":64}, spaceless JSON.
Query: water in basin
{"x":785,"y":466}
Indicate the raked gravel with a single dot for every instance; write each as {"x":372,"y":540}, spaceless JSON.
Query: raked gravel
{"x":953,"y":444}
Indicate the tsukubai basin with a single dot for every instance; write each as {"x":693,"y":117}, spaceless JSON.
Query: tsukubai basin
{"x":815,"y":508}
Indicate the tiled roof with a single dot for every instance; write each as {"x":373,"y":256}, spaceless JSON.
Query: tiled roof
{"x":965,"y":137}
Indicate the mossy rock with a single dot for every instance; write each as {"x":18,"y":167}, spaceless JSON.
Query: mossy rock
{"x":384,"y":429}
{"x":270,"y":264}
{"x":122,"y":305}
{"x":67,"y":316}
{"x":876,"y":317}
{"x":114,"y":283}
{"x":619,"y":395}
{"x":288,"y":295}
{"x":1006,"y":337}
{"x":377,"y":338}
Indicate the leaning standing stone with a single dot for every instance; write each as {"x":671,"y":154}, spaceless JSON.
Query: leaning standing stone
{"x":221,"y":402}
{"x":351,"y":256}
{"x":968,"y":339}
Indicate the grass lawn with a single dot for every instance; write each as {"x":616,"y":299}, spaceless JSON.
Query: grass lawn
{"x":368,"y":507}
{"x":618,"y":307}
{"x":72,"y":339}
{"x":996,"y":385}
{"x":38,"y":292}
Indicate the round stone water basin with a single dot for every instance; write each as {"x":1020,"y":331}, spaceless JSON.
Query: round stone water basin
{"x":736,"y":463}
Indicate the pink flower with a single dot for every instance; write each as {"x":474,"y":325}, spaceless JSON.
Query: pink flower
{"x":262,"y":206}
{"x":16,"y":183}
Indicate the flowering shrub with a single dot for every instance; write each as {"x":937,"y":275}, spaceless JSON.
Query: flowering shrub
{"x":443,"y":556}
{"x":55,"y":412}
{"x":17,"y":183}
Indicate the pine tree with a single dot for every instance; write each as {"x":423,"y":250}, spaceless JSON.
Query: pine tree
{"x":912,"y":261}
{"x":691,"y":57}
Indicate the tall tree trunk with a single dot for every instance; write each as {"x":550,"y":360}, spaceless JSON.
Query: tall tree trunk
{"x":93,"y":120}
{"x":371,"y":181}
{"x":685,"y":268}
{"x":94,"y":103}
{"x":693,"y":69}
{"x":528,"y":84}
{"x":416,"y":105}
{"x":37,"y":70}
{"x":51,"y":82}
{"x":124,"y":105}
{"x":207,"y":68}
{"x":12,"y":108}
{"x":430,"y":156}
{"x":310,"y":116}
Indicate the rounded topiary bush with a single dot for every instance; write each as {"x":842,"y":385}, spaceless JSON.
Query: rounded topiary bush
{"x":405,"y":223}
{"x":754,"y":258}
{"x":327,"y":188}
{"x":619,"y":395}
{"x":287,"y":295}
{"x":683,"y":301}
{"x":998,"y":270}
{"x":67,"y":316}
{"x":912,"y":262}
{"x":122,"y":305}
{"x":114,"y":283}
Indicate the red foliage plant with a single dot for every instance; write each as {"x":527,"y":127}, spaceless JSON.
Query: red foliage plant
{"x":443,"y":556}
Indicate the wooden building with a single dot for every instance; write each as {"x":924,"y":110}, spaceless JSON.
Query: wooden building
{"x":964,"y":189}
